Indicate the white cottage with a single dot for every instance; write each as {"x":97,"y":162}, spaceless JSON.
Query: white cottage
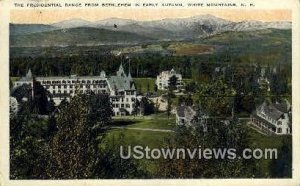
{"x":273,"y":118}
{"x":163,"y":80}
{"x":185,"y":115}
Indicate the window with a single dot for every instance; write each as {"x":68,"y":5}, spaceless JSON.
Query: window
{"x":279,"y":130}
{"x":127,"y":106}
{"x":65,"y":86}
{"x":71,"y":86}
{"x":122,"y":105}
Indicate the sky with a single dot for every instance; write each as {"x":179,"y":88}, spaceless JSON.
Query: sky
{"x":53,"y":16}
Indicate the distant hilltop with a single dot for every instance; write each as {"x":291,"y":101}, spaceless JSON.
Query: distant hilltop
{"x":117,"y":30}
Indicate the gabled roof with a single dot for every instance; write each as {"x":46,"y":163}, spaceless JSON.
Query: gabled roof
{"x":270,"y":110}
{"x":282,"y":106}
{"x":119,"y":83}
{"x":183,"y":111}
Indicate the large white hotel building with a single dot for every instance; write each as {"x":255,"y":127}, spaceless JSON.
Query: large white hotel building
{"x":120,"y":87}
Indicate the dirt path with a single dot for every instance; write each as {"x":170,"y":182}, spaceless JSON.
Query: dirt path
{"x":144,"y":129}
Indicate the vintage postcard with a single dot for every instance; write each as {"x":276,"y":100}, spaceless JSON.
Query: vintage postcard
{"x":149,"y":92}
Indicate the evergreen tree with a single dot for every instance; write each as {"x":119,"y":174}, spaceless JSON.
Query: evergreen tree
{"x":219,"y":135}
{"x":74,"y":147}
{"x":29,"y":153}
{"x":173,"y":83}
{"x":169,"y":103}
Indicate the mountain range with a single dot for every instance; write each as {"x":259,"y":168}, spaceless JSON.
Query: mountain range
{"x":117,"y":30}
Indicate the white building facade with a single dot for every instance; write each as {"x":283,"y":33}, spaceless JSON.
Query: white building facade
{"x":121,"y":88}
{"x":163,"y":80}
{"x":273,"y":118}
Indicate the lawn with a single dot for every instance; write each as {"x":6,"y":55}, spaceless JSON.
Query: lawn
{"x":154,"y":121}
{"x":258,"y":140}
{"x":152,"y":139}
{"x":144,"y":84}
{"x":13,"y":79}
{"x":190,"y":49}
{"x":142,"y":138}
{"x":262,"y":141}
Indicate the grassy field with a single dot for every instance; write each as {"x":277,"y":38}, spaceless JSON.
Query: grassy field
{"x":152,"y":139}
{"x":143,"y":84}
{"x":190,"y":49}
{"x":13,"y":79}
{"x":261,"y":141}
{"x":157,"y":121}
{"x":141,"y":138}
{"x":175,"y":48}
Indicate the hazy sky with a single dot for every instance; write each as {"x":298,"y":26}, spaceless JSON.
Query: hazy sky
{"x":52,"y":16}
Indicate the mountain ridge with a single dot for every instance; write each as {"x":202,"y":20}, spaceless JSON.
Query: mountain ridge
{"x":200,"y":26}
{"x":76,"y":36}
